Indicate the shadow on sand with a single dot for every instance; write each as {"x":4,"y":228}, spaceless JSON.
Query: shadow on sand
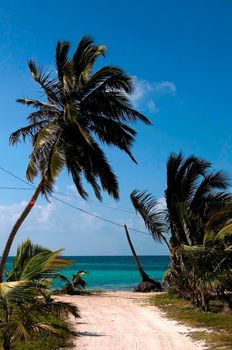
{"x":87,"y":334}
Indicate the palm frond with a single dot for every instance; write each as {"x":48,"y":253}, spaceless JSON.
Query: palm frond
{"x":153,"y":217}
{"x":29,"y":131}
{"x":43,"y":79}
{"x":108,"y":78}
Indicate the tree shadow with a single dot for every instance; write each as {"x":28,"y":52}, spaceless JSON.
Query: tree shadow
{"x":87,"y":334}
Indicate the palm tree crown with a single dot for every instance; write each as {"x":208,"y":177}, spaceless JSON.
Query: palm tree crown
{"x":82,"y":108}
{"x":193,"y":196}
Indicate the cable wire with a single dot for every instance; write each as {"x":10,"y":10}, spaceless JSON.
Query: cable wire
{"x":61,"y":193}
{"x":73,"y":206}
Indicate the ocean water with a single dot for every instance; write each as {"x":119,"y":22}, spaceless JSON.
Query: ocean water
{"x":113,"y":272}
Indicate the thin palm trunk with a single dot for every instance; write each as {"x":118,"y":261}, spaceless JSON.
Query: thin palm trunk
{"x":144,"y":276}
{"x":17,"y":226}
{"x":6,"y":344}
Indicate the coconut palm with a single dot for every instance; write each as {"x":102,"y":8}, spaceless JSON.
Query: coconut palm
{"x":143,"y":274}
{"x":82,"y":108}
{"x":193,"y":196}
{"x":210,"y":264}
{"x":196,"y":203}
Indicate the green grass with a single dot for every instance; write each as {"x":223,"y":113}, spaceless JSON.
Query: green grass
{"x":46,"y":341}
{"x":82,"y":292}
{"x":218,"y":324}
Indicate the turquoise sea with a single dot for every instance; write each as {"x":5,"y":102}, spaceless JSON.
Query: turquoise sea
{"x":114,"y":272}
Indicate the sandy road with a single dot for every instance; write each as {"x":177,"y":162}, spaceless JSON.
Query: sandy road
{"x":120,"y":321}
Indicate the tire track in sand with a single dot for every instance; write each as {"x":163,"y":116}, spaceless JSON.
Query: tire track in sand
{"x":118,"y":321}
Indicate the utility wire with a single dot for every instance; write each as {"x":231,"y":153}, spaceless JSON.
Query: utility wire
{"x":60,"y":193}
{"x":16,"y":177}
{"x":72,"y":196}
{"x":73,"y":206}
{"x":96,"y":216}
{"x":98,"y":204}
{"x":16,"y":188}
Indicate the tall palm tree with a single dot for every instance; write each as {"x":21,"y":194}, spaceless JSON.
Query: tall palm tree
{"x":81,"y":109}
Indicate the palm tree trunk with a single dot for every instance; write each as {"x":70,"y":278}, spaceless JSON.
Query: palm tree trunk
{"x":144,"y":276}
{"x":16,"y":227}
{"x":203,"y":302}
{"x":6,"y":345}
{"x":227,"y":303}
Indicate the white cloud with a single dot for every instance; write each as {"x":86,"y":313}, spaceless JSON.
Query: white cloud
{"x":162,"y":203}
{"x":54,"y":225}
{"x":164,"y":87}
{"x":152,"y":108}
{"x":40,"y":215}
{"x":146,"y":93}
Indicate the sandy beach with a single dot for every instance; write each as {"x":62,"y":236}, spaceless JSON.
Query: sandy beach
{"x":123,"y":321}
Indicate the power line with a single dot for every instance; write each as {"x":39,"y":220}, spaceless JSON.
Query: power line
{"x":73,"y":206}
{"x":97,"y":216}
{"x":71,"y":196}
{"x":60,"y":193}
{"x":16,"y":177}
{"x":128,"y":210}
{"x":16,"y":188}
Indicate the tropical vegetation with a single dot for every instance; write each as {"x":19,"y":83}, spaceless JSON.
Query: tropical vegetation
{"x":212,"y":327}
{"x":196,"y":224}
{"x":81,"y":110}
{"x":27,"y":308}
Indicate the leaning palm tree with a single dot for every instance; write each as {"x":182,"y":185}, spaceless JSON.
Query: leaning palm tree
{"x":81,"y":109}
{"x":143,"y":275}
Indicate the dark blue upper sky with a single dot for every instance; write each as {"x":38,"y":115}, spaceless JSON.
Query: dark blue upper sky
{"x":180,"y":54}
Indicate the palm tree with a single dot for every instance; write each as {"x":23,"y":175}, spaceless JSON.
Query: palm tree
{"x":36,"y":263}
{"x":210,"y":263}
{"x":196,"y":203}
{"x":193,"y":195}
{"x":82,"y":108}
{"x":143,"y":275}
{"x":24,"y":313}
{"x":26,"y":305}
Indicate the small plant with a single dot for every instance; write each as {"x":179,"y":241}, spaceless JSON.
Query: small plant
{"x":27,"y":308}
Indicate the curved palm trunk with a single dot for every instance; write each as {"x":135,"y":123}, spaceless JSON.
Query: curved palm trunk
{"x":144,"y":276}
{"x":16,"y":227}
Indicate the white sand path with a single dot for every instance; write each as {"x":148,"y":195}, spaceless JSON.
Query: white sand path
{"x":121,"y":321}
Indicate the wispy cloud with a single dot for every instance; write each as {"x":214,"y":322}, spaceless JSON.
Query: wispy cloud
{"x":147,"y":93}
{"x":162,"y":203}
{"x":54,"y":225}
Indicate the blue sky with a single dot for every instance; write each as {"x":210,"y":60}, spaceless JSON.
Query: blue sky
{"x":180,"y":55}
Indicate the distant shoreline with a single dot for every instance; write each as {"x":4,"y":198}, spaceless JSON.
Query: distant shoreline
{"x":107,"y":256}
